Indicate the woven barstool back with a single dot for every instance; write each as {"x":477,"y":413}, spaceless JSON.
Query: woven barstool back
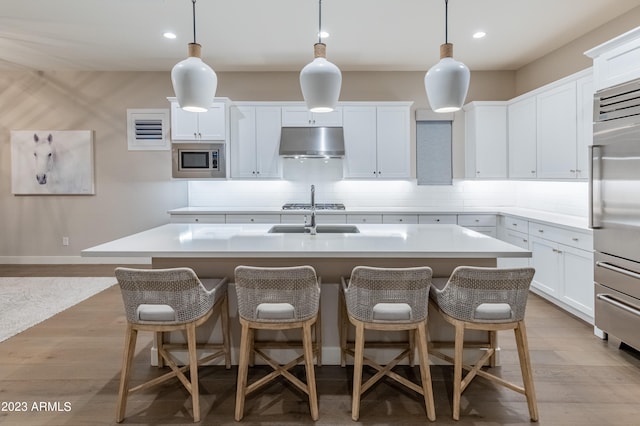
{"x":297,"y":286}
{"x":369,"y":286}
{"x":179,"y":288}
{"x":469,"y":287}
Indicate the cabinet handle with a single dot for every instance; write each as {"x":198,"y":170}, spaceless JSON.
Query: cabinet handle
{"x":252,"y":220}
{"x":437,"y":220}
{"x":195,"y":135}
{"x":477,"y":220}
{"x":578,"y":171}
{"x":199,"y":135}
{"x":401,"y":220}
{"x":478,"y":172}
{"x":572,"y":171}
{"x":541,"y":231}
{"x":515,"y":224}
{"x":197,"y":220}
{"x":258,"y":172}
{"x":575,"y":239}
{"x":533,"y":172}
{"x":524,"y":240}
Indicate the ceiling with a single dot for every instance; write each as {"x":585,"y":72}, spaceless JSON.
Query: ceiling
{"x":278,"y":35}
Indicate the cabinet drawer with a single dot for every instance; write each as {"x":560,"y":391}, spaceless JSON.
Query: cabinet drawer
{"x":253,"y":218}
{"x":321,"y":218}
{"x":364,"y":218}
{"x":195,"y":218}
{"x":400,"y":218}
{"x":477,"y":220}
{"x":577,"y":239}
{"x":514,"y":223}
{"x":516,"y":238}
{"x":438,"y":219}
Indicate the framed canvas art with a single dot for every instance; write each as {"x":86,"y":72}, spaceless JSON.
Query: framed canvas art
{"x":52,"y":162}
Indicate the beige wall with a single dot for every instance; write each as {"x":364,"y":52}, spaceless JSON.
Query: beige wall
{"x":570,"y":58}
{"x":133,"y":189}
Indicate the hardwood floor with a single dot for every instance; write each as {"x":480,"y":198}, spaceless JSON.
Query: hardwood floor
{"x":66,"y":370}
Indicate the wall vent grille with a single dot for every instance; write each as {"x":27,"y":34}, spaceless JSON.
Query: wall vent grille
{"x":148,"y":129}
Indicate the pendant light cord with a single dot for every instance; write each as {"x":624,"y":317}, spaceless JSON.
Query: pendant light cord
{"x":319,"y":21}
{"x":446,"y":21}
{"x":194,"y":21}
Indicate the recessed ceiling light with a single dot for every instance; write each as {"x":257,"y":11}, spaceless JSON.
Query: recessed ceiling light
{"x":169,"y":35}
{"x":479,"y":34}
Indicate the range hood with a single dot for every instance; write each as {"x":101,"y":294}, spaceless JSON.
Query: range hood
{"x":312,"y":142}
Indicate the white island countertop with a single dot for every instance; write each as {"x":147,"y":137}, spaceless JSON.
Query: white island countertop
{"x":254,"y":240}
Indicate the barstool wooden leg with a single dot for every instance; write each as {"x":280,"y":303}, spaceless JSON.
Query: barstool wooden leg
{"x":243,"y":368}
{"x":425,"y":371}
{"x":224,"y":322}
{"x":344,"y":328}
{"x":318,"y":329}
{"x":193,"y":371}
{"x":358,"y":361}
{"x":457,"y":370}
{"x":525,"y":366}
{"x":412,"y":347}
{"x":127,"y":360}
{"x":159,"y":343}
{"x":307,"y":343}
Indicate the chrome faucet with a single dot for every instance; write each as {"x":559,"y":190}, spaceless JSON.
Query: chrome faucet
{"x":311,"y":227}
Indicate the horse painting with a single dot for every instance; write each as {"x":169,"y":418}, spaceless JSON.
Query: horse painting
{"x":52,"y":162}
{"x":43,"y":153}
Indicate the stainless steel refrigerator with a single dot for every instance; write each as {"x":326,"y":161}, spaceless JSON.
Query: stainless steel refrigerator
{"x":615,"y":211}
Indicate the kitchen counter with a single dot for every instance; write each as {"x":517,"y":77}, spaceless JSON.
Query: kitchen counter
{"x":254,"y":240}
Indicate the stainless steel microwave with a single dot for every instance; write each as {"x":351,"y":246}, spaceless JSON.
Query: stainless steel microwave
{"x":198,"y":160}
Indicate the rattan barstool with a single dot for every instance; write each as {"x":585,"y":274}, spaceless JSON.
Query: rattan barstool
{"x":489,"y":299}
{"x":165,"y":300}
{"x":388,"y":299}
{"x":276,"y":298}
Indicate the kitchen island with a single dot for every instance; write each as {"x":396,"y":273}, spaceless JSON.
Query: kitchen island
{"x":214,"y":250}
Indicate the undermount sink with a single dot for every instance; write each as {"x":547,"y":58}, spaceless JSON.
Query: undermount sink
{"x":320,"y":229}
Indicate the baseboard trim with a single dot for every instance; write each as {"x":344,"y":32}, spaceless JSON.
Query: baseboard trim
{"x":72,"y":260}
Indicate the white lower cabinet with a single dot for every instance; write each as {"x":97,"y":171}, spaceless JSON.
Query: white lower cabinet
{"x":564,"y":273}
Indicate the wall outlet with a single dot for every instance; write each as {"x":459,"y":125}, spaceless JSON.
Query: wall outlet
{"x":65,"y":241}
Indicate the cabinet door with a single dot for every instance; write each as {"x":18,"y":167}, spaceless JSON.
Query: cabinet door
{"x":578,"y":279}
{"x":268,"y":162}
{"x":327,"y":119}
{"x":393,"y":143}
{"x":556,"y":145}
{"x":486,"y":142}
{"x":359,"y":125}
{"x":585,"y":89}
{"x":296,"y":116}
{"x":211,"y":124}
{"x":546,"y":261}
{"x":242,"y":141}
{"x":184,"y":124}
{"x":522,"y":139}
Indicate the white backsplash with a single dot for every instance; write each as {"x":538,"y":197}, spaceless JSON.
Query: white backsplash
{"x":557,"y":197}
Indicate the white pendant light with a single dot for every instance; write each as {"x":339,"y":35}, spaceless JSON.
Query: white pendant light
{"x":447,"y":82}
{"x":194,"y":82}
{"x":320,"y":80}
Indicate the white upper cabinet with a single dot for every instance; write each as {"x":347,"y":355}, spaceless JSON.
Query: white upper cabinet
{"x":377,"y":142}
{"x":198,"y":126}
{"x":360,"y":134}
{"x":616,"y":61}
{"x":486,"y":140}
{"x":254,"y":141}
{"x":522,"y":138}
{"x":300,"y":116}
{"x":585,"y":90}
{"x":557,"y":132}
{"x":393,"y":142}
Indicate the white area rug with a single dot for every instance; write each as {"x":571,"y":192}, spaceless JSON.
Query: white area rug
{"x":27,"y":301}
